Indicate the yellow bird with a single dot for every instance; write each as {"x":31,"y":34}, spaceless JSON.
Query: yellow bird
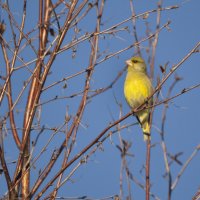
{"x":137,"y":88}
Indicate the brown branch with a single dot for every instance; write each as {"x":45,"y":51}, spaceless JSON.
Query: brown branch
{"x":5,"y":170}
{"x":197,"y":195}
{"x":148,"y":159}
{"x":9,"y":96}
{"x":44,"y":11}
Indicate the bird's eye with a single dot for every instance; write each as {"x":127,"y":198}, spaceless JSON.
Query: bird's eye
{"x":135,"y":61}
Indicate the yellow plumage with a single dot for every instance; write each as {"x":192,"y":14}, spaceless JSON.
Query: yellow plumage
{"x":137,"y":88}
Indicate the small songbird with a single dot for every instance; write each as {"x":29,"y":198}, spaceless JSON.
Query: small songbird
{"x":137,"y":89}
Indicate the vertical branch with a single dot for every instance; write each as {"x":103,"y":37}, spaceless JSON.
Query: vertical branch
{"x":9,"y":70}
{"x":148,"y":153}
{"x":5,"y":171}
{"x":9,"y":96}
{"x":44,"y":11}
{"x":164,"y":147}
{"x":11,"y":24}
{"x":12,"y":119}
{"x":155,"y":42}
{"x":148,"y":144}
{"x":134,"y":28}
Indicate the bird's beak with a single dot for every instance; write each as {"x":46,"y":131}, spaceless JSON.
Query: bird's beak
{"x":128,"y":62}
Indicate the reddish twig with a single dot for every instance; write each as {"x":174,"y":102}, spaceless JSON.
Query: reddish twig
{"x":148,"y":159}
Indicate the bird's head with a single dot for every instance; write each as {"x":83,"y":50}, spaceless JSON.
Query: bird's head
{"x":136,"y":63}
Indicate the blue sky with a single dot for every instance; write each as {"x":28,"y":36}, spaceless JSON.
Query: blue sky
{"x":100,"y":176}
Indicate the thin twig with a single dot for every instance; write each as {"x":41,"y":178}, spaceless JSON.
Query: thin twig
{"x":196,"y":150}
{"x":148,"y":159}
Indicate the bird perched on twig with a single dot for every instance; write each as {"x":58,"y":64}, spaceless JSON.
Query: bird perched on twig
{"x":137,"y":89}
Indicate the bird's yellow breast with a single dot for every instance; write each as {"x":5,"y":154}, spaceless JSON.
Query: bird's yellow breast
{"x":137,"y":88}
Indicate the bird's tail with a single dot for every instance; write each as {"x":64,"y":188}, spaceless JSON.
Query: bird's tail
{"x":146,"y":131}
{"x":143,"y":118}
